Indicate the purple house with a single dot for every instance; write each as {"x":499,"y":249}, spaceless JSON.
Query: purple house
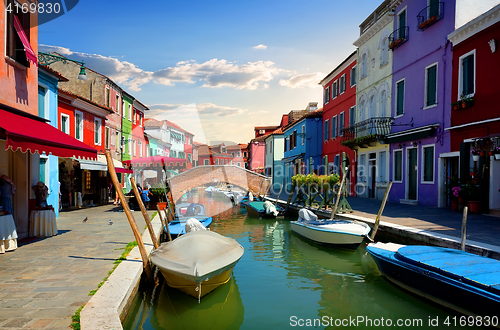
{"x":421,"y":95}
{"x":421,"y":160}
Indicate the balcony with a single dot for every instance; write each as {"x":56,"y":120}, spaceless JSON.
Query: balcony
{"x":430,"y":15}
{"x":366,"y":132}
{"x":398,"y":37}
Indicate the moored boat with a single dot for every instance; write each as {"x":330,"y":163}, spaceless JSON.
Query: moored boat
{"x":467,"y":283}
{"x":340,"y":233}
{"x":264,"y":209}
{"x":185,"y":211}
{"x":197,"y":262}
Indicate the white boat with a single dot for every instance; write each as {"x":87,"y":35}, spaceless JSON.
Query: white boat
{"x":341,"y":233}
{"x":198,"y":261}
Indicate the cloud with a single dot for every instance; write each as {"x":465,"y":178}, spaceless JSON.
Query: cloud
{"x":214,"y":73}
{"x":122,"y":72}
{"x":203,"y":109}
{"x":261,"y":46}
{"x":219,"y":73}
{"x":309,"y":80}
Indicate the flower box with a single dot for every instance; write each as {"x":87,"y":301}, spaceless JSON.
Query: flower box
{"x":427,"y":22}
{"x":396,"y":43}
{"x":475,"y":158}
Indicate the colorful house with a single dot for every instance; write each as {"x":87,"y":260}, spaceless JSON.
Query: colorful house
{"x":339,"y":112}
{"x":475,"y":117}
{"x":303,"y":145}
{"x":274,"y":154}
{"x":373,"y":103}
{"x":128,"y":144}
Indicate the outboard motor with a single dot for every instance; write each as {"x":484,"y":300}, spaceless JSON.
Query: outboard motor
{"x":193,"y":224}
{"x":307,"y":215}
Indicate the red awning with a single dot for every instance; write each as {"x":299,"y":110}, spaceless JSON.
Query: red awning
{"x":26,"y":133}
{"x":123,"y":170}
{"x":156,"y":161}
{"x":30,"y":54}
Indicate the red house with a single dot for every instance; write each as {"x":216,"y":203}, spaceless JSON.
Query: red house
{"x":140,"y":143}
{"x":475,"y":115}
{"x":339,"y":109}
{"x":214,"y":155}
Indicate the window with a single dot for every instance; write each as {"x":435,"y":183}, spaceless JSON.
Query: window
{"x":341,"y":123}
{"x":327,"y":95}
{"x":106,"y":97}
{"x":245,"y":154}
{"x":364,"y":59}
{"x":431,"y":85}
{"x":239,"y":164}
{"x":107,"y":137}
{"x":135,"y":117}
{"x":373,"y":107}
{"x":117,"y":104}
{"x":14,"y":46}
{"x":402,"y":24}
{"x":398,"y":165}
{"x":79,"y":125}
{"x":129,"y":112}
{"x":335,"y":89}
{"x":65,"y":123}
{"x":382,"y":166}
{"x":133,"y":148}
{"x":384,"y":51}
{"x":342,"y":84}
{"x":189,"y":157}
{"x":43,"y":169}
{"x":400,"y":97}
{"x":433,"y":9}
{"x":303,"y":134}
{"x":41,"y":101}
{"x":334,"y":127}
{"x":123,"y":109}
{"x":428,"y":164}
{"x":140,"y":148}
{"x":238,"y":154}
{"x":205,"y":162}
{"x":129,"y":146}
{"x":232,"y":154}
{"x":383,"y":103}
{"x":336,"y":164}
{"x":326,"y":130}
{"x":217,"y":162}
{"x":352,"y":116}
{"x":467,"y":75}
{"x":353,"y":76}
{"x":97,"y":131}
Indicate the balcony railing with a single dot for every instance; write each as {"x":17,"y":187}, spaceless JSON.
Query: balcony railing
{"x":430,"y":15}
{"x":398,"y":37}
{"x":366,"y":131}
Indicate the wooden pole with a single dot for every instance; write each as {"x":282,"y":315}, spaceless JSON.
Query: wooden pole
{"x":166,"y":225}
{"x":464,"y":226}
{"x":161,"y":216}
{"x":377,"y":220}
{"x":277,"y":198}
{"x":290,"y":197}
{"x":130,"y":217}
{"x":144,"y":214}
{"x":334,"y":210}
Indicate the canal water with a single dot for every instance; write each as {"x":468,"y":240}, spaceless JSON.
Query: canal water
{"x":284,"y":281}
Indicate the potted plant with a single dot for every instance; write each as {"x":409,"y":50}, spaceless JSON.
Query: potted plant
{"x":475,"y":197}
{"x":475,"y":153}
{"x":496,"y":152}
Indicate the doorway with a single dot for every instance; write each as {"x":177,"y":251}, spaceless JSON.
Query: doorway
{"x":412,"y":173}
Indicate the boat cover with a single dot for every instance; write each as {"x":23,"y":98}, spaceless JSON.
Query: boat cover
{"x":307,"y":215}
{"x":473,"y":269}
{"x":193,"y":224}
{"x":270,"y":208}
{"x":198,"y":255}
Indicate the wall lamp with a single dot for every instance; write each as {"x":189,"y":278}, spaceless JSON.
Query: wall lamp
{"x":47,"y":59}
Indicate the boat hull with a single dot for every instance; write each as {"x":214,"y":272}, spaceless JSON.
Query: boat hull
{"x":440,"y":288}
{"x":196,"y":290}
{"x":177,"y":228}
{"x":328,"y":234}
{"x":260,"y":212}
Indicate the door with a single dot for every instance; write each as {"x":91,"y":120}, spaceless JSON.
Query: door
{"x":412,"y":174}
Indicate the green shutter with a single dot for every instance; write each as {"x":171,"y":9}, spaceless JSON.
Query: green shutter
{"x":400,"y":97}
{"x":429,"y":164}
{"x":402,"y":25}
{"x":41,"y":102}
{"x":431,"y":85}
{"x":398,"y":165}
{"x":468,"y":75}
{"x":434,"y":8}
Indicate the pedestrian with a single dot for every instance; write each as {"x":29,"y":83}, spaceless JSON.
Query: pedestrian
{"x":145,"y":196}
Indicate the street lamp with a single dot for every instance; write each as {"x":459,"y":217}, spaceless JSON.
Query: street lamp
{"x":47,"y":59}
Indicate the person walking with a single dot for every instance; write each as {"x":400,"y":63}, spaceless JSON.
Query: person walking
{"x":145,"y":196}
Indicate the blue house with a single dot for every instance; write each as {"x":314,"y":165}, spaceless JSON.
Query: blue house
{"x":303,"y":142}
{"x":48,"y":167}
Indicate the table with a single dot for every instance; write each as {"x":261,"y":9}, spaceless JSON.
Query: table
{"x":8,"y":233}
{"x":43,"y":223}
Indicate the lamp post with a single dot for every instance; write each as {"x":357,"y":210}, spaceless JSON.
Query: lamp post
{"x":47,"y":59}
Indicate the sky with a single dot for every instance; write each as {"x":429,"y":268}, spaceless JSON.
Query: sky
{"x":216,"y":68}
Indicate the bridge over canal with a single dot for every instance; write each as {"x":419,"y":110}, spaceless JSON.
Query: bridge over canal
{"x":207,"y":175}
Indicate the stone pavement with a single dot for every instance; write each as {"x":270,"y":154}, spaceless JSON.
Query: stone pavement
{"x":46,"y":280}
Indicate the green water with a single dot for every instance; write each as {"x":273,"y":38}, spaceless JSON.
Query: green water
{"x":283,"y":281}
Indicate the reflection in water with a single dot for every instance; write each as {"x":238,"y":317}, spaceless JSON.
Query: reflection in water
{"x":280,"y":276}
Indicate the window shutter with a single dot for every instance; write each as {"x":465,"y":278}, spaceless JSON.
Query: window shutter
{"x":431,"y":85}
{"x":400,"y":97}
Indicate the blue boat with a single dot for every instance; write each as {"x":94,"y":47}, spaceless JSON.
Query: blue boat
{"x":185,"y":211}
{"x":459,"y":280}
{"x":258,"y":209}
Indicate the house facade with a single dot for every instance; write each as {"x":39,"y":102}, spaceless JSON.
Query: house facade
{"x":339,"y":112}
{"x":475,"y":117}
{"x":274,"y":154}
{"x":373,"y":103}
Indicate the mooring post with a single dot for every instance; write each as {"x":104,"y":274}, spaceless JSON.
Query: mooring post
{"x":161,"y":216}
{"x":130,"y":217}
{"x":277,"y":198}
{"x":165,"y":225}
{"x":464,"y":227}
{"x":339,"y":192}
{"x":377,"y":220}
{"x":144,"y":213}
